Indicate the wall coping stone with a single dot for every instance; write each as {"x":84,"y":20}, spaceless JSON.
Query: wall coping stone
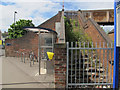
{"x":60,"y":45}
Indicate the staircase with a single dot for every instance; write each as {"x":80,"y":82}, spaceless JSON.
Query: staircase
{"x":87,"y":70}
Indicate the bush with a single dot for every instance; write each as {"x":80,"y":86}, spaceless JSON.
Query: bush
{"x":74,"y":33}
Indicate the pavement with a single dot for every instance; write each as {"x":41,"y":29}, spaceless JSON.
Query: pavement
{"x":17,"y":74}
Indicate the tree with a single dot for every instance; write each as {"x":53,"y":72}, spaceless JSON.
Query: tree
{"x":16,"y":29}
{"x":68,"y":30}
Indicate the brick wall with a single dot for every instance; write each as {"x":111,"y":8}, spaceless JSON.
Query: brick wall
{"x":27,"y":43}
{"x":95,"y":32}
{"x":111,"y":36}
{"x":100,"y":15}
{"x":60,"y":65}
{"x":50,"y":23}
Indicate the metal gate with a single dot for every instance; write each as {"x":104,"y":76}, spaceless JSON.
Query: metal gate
{"x":89,"y":65}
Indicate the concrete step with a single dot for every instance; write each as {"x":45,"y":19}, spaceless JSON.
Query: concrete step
{"x":101,"y":69}
{"x":100,"y":80}
{"x":94,"y":60}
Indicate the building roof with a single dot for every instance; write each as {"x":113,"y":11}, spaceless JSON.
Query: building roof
{"x":50,"y":23}
{"x":36,"y":29}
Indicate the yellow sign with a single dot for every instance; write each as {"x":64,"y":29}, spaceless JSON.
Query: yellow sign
{"x":50,"y":55}
{"x":0,"y":42}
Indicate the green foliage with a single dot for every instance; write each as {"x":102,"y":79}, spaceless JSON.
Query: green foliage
{"x":69,"y":31}
{"x":74,"y":33}
{"x":16,"y":29}
{"x":4,"y":35}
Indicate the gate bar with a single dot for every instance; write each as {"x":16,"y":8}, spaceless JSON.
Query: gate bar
{"x":67,"y":64}
{"x":89,"y":84}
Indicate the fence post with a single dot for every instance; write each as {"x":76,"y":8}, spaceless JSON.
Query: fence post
{"x":17,"y":54}
{"x":24,"y":57}
{"x":30,"y":60}
{"x":21,"y":57}
{"x":67,"y":63}
{"x":33,"y":59}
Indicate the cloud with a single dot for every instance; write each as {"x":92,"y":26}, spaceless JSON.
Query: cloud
{"x":40,"y":10}
{"x":26,"y":10}
{"x":82,"y":0}
{"x":107,"y":28}
{"x":94,"y":5}
{"x":6,"y":3}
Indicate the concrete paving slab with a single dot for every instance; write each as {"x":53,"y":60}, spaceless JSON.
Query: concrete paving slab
{"x":16,"y":74}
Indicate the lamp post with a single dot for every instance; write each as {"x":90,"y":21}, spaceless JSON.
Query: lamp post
{"x":14,"y":18}
{"x":39,"y":54}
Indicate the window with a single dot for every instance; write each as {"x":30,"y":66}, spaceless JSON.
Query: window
{"x":48,"y":41}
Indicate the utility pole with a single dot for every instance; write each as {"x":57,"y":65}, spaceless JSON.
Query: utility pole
{"x":39,"y":53}
{"x":14,"y":17}
{"x":63,"y":5}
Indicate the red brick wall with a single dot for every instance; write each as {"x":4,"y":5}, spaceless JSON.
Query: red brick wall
{"x":27,"y":43}
{"x":50,"y":23}
{"x":100,"y":15}
{"x":93,"y":33}
{"x":60,"y":66}
{"x":111,"y":36}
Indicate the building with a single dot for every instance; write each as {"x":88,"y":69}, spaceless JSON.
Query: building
{"x":30,"y":41}
{"x":4,"y":35}
{"x":88,"y":21}
{"x":111,"y":35}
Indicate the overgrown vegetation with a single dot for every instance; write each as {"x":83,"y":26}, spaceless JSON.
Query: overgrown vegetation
{"x":74,"y":33}
{"x":16,"y":29}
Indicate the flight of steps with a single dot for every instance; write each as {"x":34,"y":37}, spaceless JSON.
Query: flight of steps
{"x":86,"y":71}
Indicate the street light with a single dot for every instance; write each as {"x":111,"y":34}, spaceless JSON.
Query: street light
{"x":14,"y":17}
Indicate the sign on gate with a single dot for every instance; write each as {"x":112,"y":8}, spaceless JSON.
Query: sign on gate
{"x":0,"y":42}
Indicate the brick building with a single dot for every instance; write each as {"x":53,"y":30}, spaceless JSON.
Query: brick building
{"x":111,"y":35}
{"x":30,"y":41}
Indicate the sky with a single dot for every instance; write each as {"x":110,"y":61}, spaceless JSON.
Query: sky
{"x":40,"y":10}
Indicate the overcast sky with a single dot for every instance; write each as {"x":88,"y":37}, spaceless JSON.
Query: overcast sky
{"x":40,"y":10}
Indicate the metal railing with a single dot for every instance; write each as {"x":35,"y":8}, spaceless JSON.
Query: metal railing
{"x":89,"y":65}
{"x":26,"y":56}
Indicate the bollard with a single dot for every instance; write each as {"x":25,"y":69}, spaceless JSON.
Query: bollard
{"x":24,"y":57}
{"x":33,"y":59}
{"x":21,"y":57}
{"x":17,"y":54}
{"x":30,"y":60}
{"x":27,"y":55}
